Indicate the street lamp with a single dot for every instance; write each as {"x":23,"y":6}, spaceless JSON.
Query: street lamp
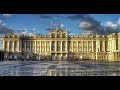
{"x":81,"y":57}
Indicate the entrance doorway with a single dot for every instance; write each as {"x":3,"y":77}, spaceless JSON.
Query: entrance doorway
{"x":64,"y":57}
{"x":58,"y":57}
{"x":53,"y":57}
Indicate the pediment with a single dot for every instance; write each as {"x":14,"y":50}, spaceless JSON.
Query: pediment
{"x":59,"y":31}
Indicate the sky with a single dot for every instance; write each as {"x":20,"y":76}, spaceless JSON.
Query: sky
{"x":76,"y":24}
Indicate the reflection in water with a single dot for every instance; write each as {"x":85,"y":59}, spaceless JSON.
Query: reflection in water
{"x":61,"y":68}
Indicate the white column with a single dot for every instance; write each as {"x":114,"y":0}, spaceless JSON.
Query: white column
{"x":92,"y":47}
{"x":30,"y":46}
{"x":96,"y":48}
{"x":66,"y":46}
{"x":50,"y":45}
{"x":35,"y":46}
{"x":61,"y":46}
{"x":8,"y":45}
{"x":18,"y":48}
{"x":114,"y":44}
{"x":77,"y":46}
{"x":104,"y":46}
{"x":87,"y":47}
{"x":82,"y":46}
{"x":99,"y":45}
{"x":21,"y":46}
{"x":45,"y":45}
{"x":25,"y":44}
{"x":40,"y":46}
{"x":110,"y":45}
{"x":13,"y":46}
{"x":72,"y":46}
{"x":55,"y":46}
{"x":55,"y":56}
{"x":4,"y":45}
{"x":92,"y":50}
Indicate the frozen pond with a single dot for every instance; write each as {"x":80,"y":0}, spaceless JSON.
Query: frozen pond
{"x":59,"y":68}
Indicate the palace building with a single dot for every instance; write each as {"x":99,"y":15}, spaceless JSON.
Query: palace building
{"x":59,"y":45}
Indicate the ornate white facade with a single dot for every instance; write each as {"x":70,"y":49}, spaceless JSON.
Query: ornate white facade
{"x":59,"y":45}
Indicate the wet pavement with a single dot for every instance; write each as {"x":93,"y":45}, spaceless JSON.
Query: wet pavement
{"x":59,"y":68}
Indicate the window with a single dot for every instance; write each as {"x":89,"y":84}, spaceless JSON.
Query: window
{"x":116,"y":44}
{"x":80,"y":49}
{"x":106,"y":45}
{"x":64,"y":35}
{"x":5,"y":44}
{"x":79,"y":43}
{"x":101,"y":46}
{"x":90,"y":49}
{"x":15,"y":43}
{"x":85,"y":49}
{"x":53,"y":45}
{"x":53,"y":35}
{"x":94,"y":45}
{"x":58,"y":35}
{"x":10,"y":47}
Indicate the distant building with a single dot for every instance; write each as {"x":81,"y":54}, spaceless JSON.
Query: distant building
{"x":59,"y":45}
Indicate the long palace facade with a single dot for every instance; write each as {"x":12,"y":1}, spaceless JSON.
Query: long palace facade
{"x":59,"y":45}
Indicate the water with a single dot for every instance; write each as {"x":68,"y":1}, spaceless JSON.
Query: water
{"x":59,"y":68}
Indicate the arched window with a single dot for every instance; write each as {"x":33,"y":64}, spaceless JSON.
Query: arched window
{"x":5,"y":44}
{"x":10,"y":46}
{"x":15,"y":43}
{"x":53,"y":35}
{"x":58,"y":35}
{"x":64,"y":35}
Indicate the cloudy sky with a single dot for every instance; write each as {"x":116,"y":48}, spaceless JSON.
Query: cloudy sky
{"x":75,"y":23}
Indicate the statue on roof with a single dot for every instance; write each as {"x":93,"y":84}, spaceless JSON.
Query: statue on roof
{"x":59,"y":27}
